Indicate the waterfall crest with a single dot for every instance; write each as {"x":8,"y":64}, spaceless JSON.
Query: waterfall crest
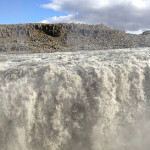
{"x":86,"y":100}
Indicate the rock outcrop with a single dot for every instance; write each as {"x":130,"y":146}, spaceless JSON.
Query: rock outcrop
{"x":66,"y":37}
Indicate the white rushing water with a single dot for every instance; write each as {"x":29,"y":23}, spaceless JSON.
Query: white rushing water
{"x":89,"y":100}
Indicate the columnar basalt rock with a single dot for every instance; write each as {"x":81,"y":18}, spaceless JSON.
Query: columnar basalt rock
{"x":66,"y":37}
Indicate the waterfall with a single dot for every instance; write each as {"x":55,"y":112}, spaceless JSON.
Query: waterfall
{"x":87,"y":100}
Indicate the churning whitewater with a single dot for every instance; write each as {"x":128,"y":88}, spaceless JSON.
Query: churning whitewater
{"x":87,"y":100}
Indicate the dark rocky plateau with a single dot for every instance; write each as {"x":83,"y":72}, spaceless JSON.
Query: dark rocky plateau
{"x":66,"y":37}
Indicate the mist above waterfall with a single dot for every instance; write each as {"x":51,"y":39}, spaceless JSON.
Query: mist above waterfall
{"x":89,"y":100}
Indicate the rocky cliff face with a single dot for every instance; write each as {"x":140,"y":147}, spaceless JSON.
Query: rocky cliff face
{"x":66,"y":37}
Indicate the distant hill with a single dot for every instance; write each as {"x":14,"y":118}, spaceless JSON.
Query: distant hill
{"x":66,"y":37}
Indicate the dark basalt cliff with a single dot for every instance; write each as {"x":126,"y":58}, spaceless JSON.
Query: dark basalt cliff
{"x":66,"y":37}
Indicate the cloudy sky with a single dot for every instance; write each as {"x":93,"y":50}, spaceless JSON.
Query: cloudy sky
{"x":128,"y":15}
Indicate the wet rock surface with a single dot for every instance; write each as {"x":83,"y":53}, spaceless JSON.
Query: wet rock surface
{"x":66,"y":37}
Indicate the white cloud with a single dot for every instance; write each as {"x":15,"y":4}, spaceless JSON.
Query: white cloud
{"x":130,"y":15}
{"x":135,"y":32}
{"x":60,"y":19}
{"x":140,"y":3}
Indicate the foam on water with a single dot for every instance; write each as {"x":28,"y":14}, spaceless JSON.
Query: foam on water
{"x":87,"y":100}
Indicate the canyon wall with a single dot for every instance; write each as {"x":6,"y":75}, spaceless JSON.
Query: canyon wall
{"x":66,"y":37}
